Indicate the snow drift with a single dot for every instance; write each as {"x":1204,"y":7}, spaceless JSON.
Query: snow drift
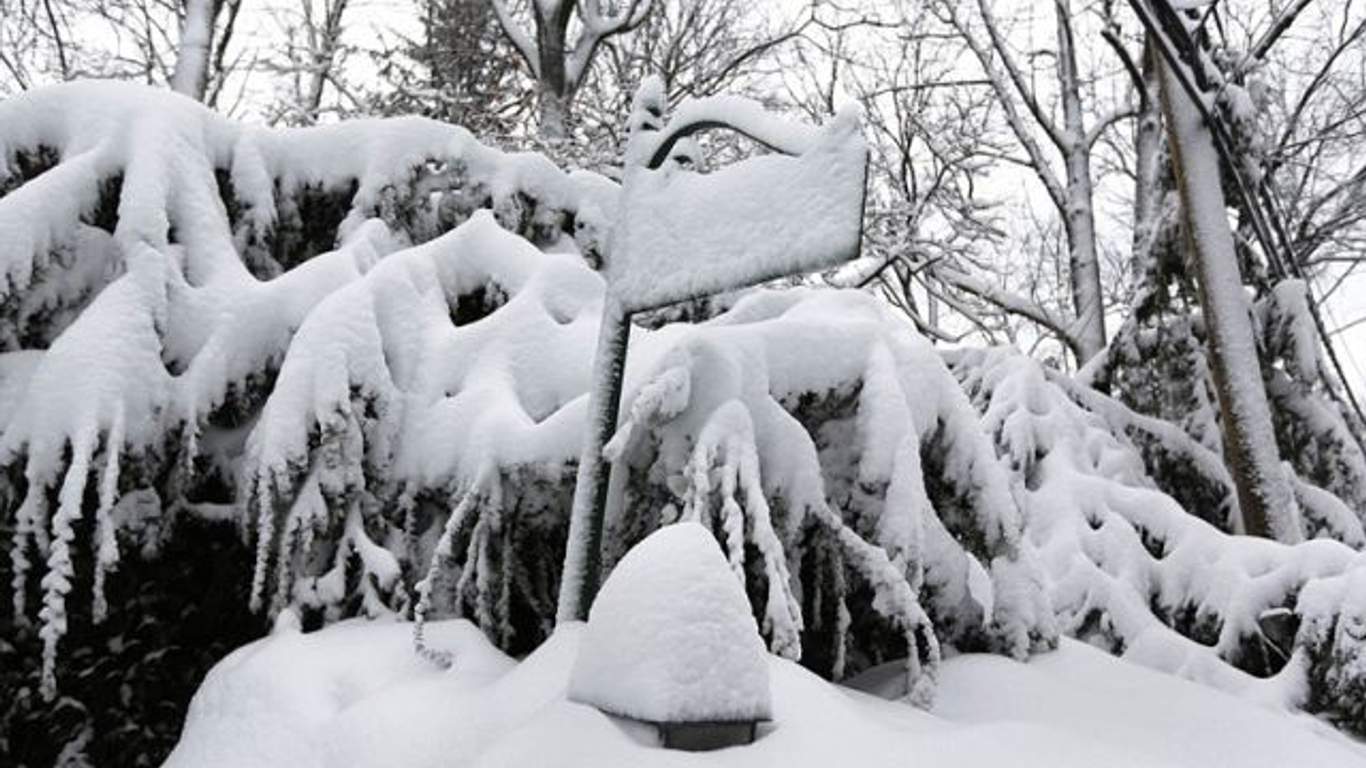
{"x":350,"y":696}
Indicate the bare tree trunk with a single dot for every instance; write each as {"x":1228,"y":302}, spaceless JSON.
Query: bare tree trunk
{"x":191,"y":75}
{"x":557,"y":66}
{"x":1147,"y":163}
{"x":552,"y":25}
{"x":1079,"y":211}
{"x":324,"y":54}
{"x":1264,"y":493}
{"x":553,"y":122}
{"x":1031,"y":122}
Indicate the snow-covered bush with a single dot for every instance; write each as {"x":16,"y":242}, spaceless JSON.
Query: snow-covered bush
{"x":137,"y":241}
{"x":1157,"y":366}
{"x":1130,"y":570}
{"x":126,"y":682}
{"x":408,"y":440}
{"x":367,"y":345}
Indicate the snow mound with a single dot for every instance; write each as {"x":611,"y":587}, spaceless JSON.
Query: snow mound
{"x":350,"y":696}
{"x":670,"y":637}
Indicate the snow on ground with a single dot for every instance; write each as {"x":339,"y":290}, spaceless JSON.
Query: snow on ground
{"x":355,"y":694}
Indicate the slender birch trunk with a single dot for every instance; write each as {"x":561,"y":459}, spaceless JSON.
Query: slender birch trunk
{"x":191,"y":74}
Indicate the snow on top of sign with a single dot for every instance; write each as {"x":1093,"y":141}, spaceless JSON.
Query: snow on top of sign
{"x":670,"y":637}
{"x":684,"y":234}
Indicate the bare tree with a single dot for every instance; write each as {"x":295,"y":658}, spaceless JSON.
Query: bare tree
{"x":311,"y":61}
{"x":1316,"y":160}
{"x":191,"y":74}
{"x":1035,"y":126}
{"x":199,"y":54}
{"x":697,"y":48}
{"x":937,"y":243}
{"x":22,"y":40}
{"x":185,"y":43}
{"x":558,"y":67}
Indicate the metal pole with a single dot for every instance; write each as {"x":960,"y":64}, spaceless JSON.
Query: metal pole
{"x":583,"y":553}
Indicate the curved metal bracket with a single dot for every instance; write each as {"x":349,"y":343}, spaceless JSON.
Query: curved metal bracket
{"x":694,"y":127}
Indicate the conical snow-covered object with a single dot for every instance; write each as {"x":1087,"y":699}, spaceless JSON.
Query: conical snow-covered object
{"x":670,"y":638}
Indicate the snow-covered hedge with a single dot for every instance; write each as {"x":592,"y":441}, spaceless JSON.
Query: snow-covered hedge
{"x":1131,"y":571}
{"x":368,"y":345}
{"x":317,"y":334}
{"x":142,"y":240}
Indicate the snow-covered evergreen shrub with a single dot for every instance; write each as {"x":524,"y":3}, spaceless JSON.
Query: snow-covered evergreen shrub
{"x":1157,"y":364}
{"x":126,"y":683}
{"x":367,"y":346}
{"x":1130,"y":570}
{"x":453,"y":443}
{"x":317,"y":334}
{"x":1157,"y":367}
{"x":163,"y":343}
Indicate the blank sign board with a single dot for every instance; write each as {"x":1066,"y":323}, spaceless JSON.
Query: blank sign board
{"x":684,"y":234}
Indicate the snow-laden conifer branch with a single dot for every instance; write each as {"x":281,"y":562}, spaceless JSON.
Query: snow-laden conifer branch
{"x":157,"y":260}
{"x":1129,"y":568}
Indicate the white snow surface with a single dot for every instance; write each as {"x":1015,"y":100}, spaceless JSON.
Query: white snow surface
{"x":355,"y":695}
{"x":670,"y":637}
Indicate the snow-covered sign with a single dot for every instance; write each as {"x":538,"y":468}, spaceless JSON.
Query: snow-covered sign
{"x":681,"y":234}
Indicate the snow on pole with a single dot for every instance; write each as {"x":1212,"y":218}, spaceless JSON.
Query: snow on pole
{"x":683,"y":235}
{"x":582,"y":562}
